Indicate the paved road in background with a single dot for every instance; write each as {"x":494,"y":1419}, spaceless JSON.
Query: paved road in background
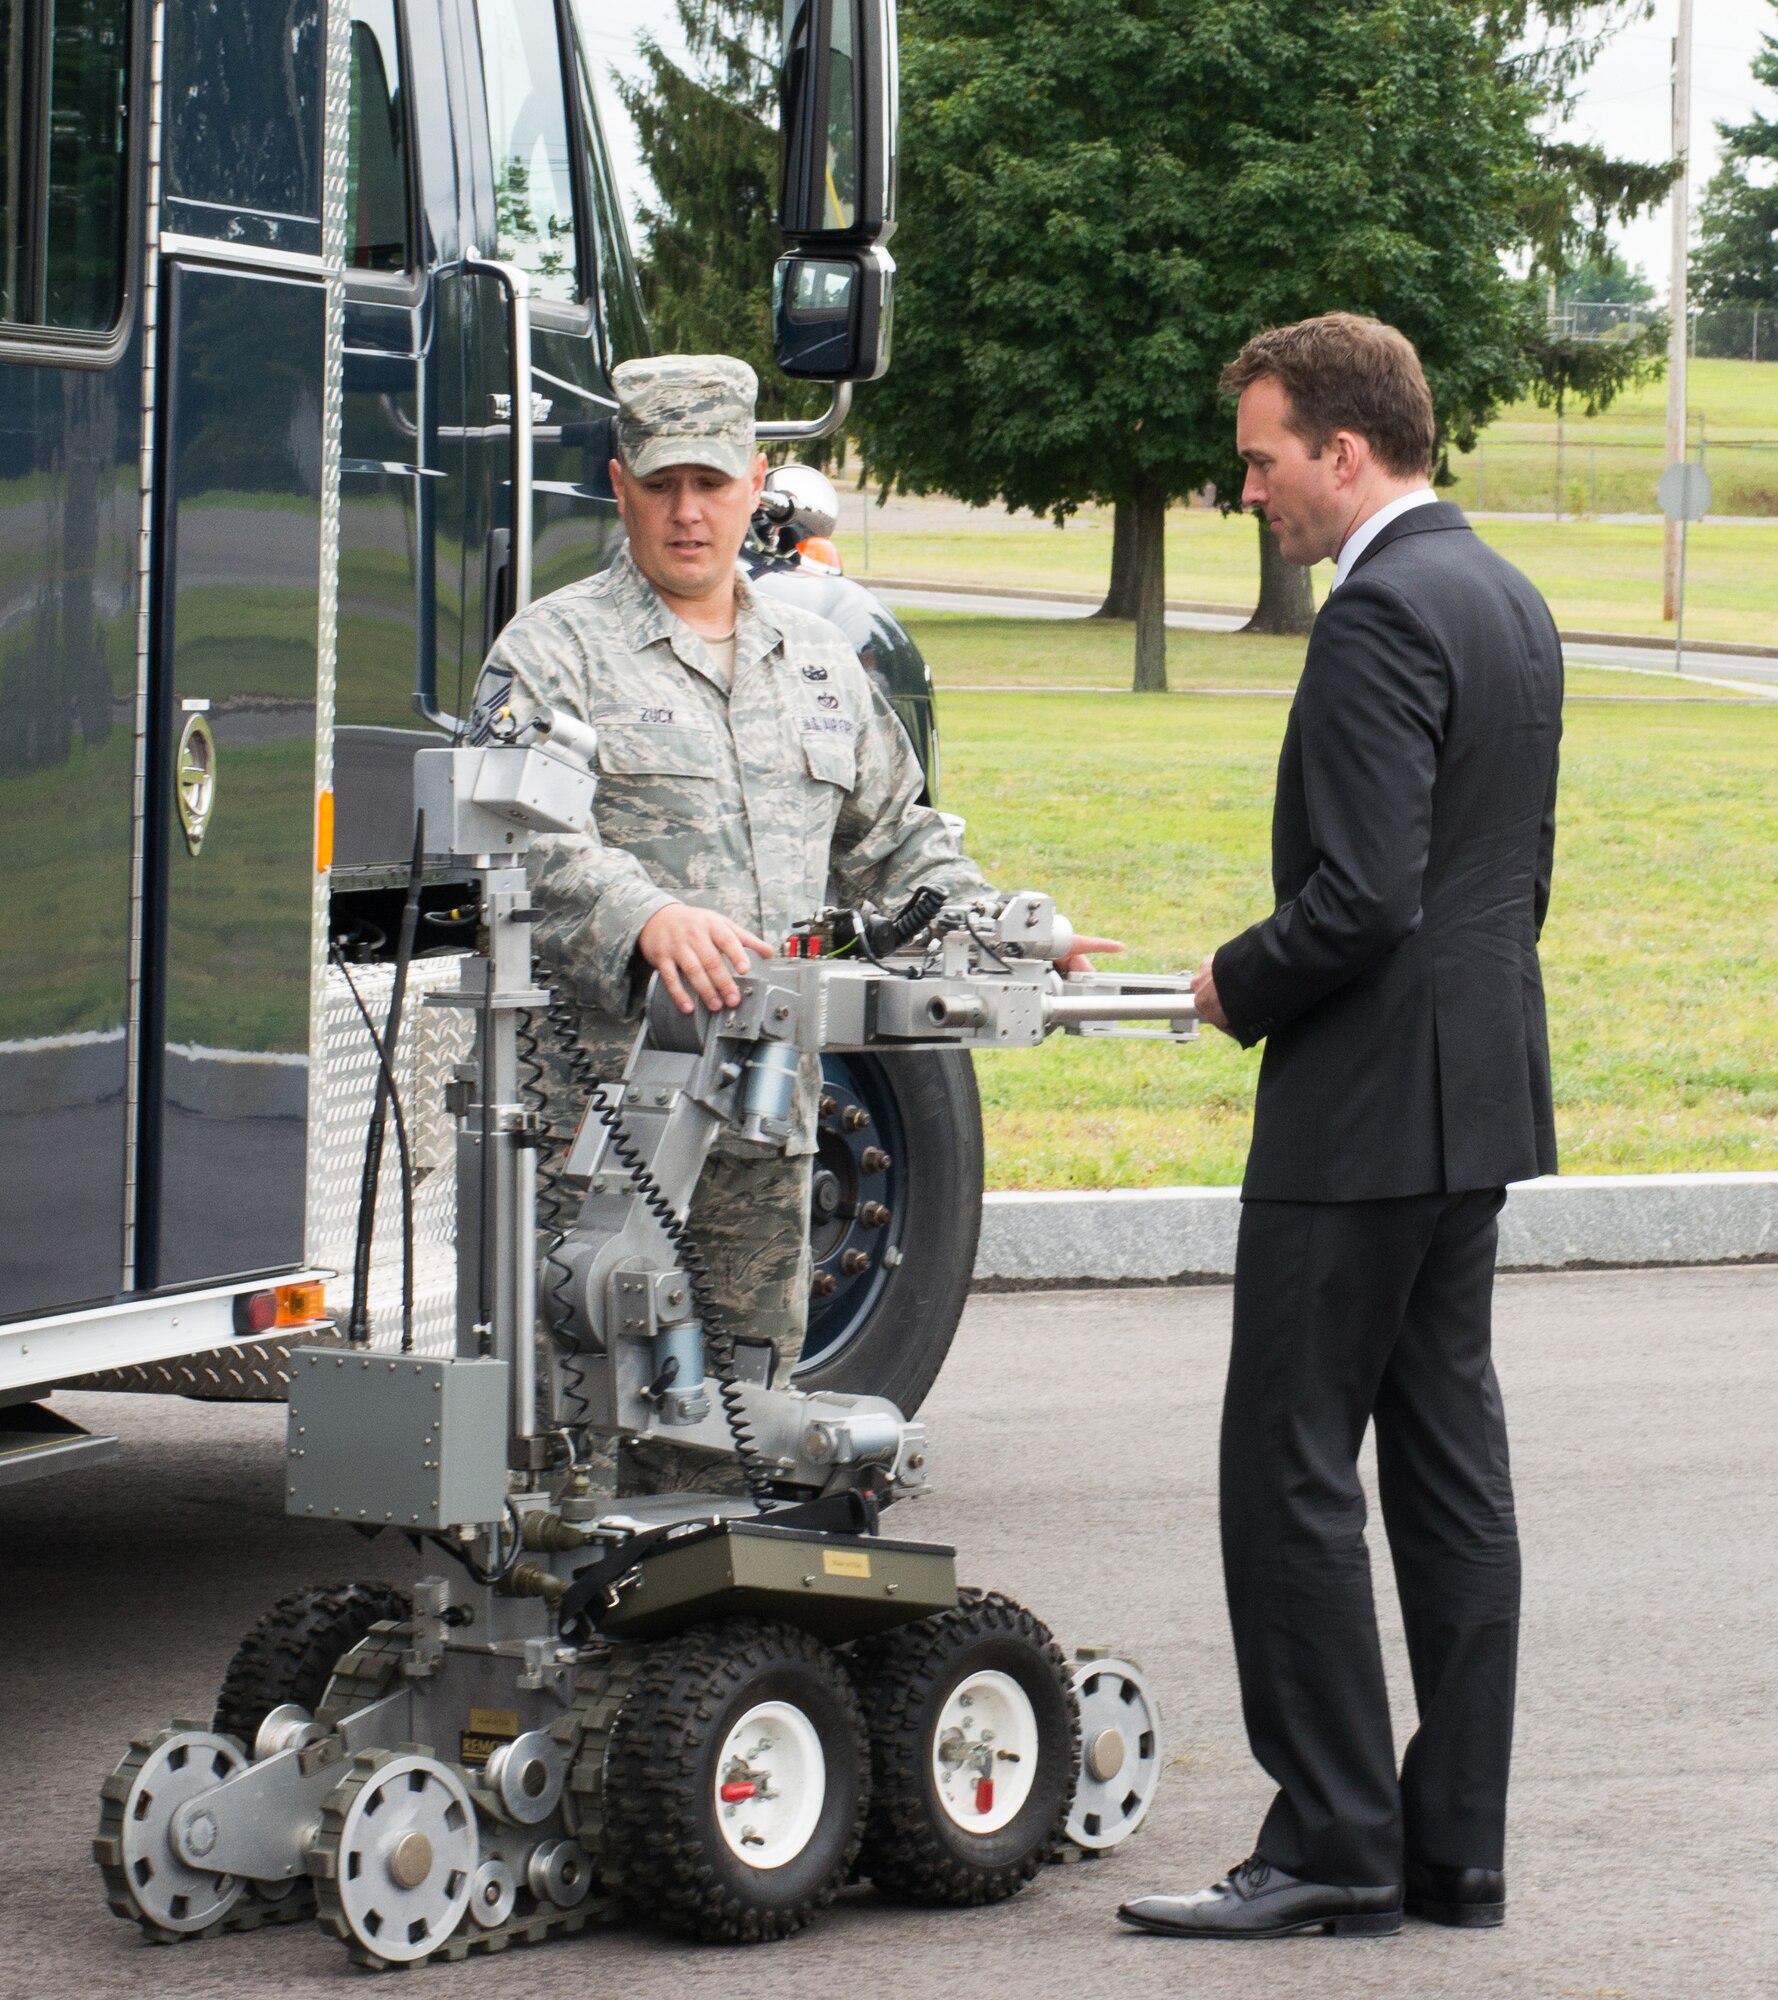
{"x":1074,"y":1457}
{"x":1645,"y":659}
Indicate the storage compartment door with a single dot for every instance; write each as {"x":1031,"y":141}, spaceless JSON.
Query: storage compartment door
{"x":227,"y":1040}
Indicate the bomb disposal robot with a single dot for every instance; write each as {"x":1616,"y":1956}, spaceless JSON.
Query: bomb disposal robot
{"x":709,"y":1708}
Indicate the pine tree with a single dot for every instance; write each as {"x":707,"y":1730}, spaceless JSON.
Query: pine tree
{"x":708,"y":135}
{"x":1737,"y":258}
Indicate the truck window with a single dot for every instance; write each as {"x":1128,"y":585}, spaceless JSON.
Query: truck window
{"x":620,"y":297}
{"x":62,"y":166}
{"x":528,"y":123}
{"x":376,"y":168}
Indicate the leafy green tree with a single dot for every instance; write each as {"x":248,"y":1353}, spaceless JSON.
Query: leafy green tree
{"x":708,"y":135}
{"x":1737,"y":257}
{"x":1103,"y":198}
{"x":1605,"y":281}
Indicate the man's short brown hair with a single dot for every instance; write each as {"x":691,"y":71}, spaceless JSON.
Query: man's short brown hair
{"x":1342,"y":372}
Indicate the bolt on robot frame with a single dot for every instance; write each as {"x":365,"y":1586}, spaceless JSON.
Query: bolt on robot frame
{"x":715,"y":1708}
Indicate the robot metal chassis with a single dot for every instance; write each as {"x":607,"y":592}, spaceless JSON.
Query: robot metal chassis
{"x":462,"y":1777}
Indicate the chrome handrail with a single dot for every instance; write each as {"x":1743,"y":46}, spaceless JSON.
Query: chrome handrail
{"x":518,"y":295}
{"x":822,"y":426}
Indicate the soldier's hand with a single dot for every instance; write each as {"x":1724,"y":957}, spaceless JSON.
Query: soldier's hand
{"x":696,"y":948}
{"x":1086,"y":949}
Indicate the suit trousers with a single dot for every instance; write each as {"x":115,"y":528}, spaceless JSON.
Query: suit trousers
{"x":1349,"y":1313}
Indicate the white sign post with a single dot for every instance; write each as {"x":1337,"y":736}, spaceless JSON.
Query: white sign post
{"x":1684,"y":494}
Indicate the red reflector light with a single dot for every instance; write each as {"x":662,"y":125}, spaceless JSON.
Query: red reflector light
{"x":301,"y":1305}
{"x":256,"y":1312}
{"x":984,"y":1795}
{"x":732,"y":1795}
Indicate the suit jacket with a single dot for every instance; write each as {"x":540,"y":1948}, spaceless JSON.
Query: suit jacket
{"x":1396,"y":985}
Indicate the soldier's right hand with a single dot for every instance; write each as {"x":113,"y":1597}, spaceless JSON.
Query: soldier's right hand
{"x":692,"y":947}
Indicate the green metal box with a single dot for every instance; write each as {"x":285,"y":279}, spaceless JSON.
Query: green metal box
{"x":838,"y":1587}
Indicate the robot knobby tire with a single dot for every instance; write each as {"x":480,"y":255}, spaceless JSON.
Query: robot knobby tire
{"x":290,"y":1655}
{"x":992,"y":1668}
{"x":760,"y":1711}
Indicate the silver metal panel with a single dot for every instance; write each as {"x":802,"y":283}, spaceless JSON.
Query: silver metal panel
{"x":395,"y":1439}
{"x":335,"y":192}
{"x":70,"y":1349}
{"x":36,"y":1460}
{"x":146,"y":606}
{"x":246,"y":256}
{"x":433,"y":1040}
{"x":250,"y":1373}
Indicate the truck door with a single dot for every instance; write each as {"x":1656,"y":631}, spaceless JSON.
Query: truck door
{"x":540,"y":211}
{"x":70,"y":396}
{"x":232,"y":728}
{"x":402,"y":445}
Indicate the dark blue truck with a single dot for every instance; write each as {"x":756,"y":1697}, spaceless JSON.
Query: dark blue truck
{"x":307,"y":314}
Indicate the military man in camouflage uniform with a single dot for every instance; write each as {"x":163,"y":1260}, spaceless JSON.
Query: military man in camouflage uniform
{"x":745,"y":761}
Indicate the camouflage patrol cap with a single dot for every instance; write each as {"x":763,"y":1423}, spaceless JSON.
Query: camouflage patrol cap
{"x":686,"y":409}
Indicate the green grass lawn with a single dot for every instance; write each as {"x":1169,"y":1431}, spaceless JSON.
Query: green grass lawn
{"x":965,"y":650}
{"x":1740,"y":396}
{"x":1660,"y":954}
{"x":1598,"y":576}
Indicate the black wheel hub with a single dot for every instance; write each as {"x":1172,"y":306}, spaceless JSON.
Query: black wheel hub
{"x":857,"y":1203}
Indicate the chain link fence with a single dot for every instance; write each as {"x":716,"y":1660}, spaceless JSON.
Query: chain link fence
{"x":1584,"y":476}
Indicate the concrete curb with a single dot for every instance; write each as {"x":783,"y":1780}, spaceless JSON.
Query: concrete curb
{"x":1186,"y":1235}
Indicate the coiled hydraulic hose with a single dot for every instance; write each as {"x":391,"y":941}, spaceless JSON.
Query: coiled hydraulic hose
{"x":552,"y":1199}
{"x":888,"y":934}
{"x":719,"y":1341}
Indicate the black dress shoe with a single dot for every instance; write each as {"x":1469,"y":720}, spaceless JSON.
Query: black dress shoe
{"x":1471,"y":1898}
{"x":1256,"y":1900}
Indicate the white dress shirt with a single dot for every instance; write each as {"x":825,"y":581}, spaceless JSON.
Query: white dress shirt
{"x":1367,"y":532}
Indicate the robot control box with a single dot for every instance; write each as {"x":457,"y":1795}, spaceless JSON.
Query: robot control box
{"x":406,"y":1441}
{"x":748,"y":1569}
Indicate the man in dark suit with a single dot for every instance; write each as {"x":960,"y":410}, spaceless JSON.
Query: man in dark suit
{"x":1405,"y":1081}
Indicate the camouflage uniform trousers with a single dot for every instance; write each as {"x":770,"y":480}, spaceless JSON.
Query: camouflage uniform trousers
{"x":749,"y":1217}
{"x":750,"y":1220}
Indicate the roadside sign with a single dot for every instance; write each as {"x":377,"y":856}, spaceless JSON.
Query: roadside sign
{"x":1684,"y":493}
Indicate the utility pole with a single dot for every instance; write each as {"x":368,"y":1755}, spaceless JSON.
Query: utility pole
{"x":1678,"y":302}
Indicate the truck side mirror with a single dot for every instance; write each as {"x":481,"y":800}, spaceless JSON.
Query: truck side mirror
{"x":831,"y":313}
{"x":837,"y":123}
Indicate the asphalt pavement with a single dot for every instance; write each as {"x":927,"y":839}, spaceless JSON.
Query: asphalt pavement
{"x":1074,"y":1449}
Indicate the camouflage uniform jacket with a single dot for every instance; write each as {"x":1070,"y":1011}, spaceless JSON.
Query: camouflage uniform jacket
{"x":747,"y":802}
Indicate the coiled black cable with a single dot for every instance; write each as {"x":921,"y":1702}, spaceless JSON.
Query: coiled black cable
{"x":889,"y":934}
{"x":719,"y":1341}
{"x":552,"y":1199}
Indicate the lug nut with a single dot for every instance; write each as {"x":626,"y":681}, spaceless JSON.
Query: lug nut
{"x":829,"y":1105}
{"x":823,"y":1285}
{"x":854,"y":1118}
{"x":874,"y":1215}
{"x":854,"y":1261}
{"x":873,"y":1160}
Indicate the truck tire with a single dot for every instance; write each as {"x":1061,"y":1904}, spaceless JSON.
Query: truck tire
{"x":959,"y":1819}
{"x":893,"y":1244}
{"x":291,"y":1653}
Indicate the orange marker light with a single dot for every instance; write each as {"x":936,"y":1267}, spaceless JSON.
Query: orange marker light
{"x":323,"y":833}
{"x":819,"y":553}
{"x":302,"y":1305}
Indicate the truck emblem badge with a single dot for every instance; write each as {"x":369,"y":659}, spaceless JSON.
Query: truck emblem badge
{"x":195,"y":780}
{"x":828,"y":700}
{"x":814,"y":673}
